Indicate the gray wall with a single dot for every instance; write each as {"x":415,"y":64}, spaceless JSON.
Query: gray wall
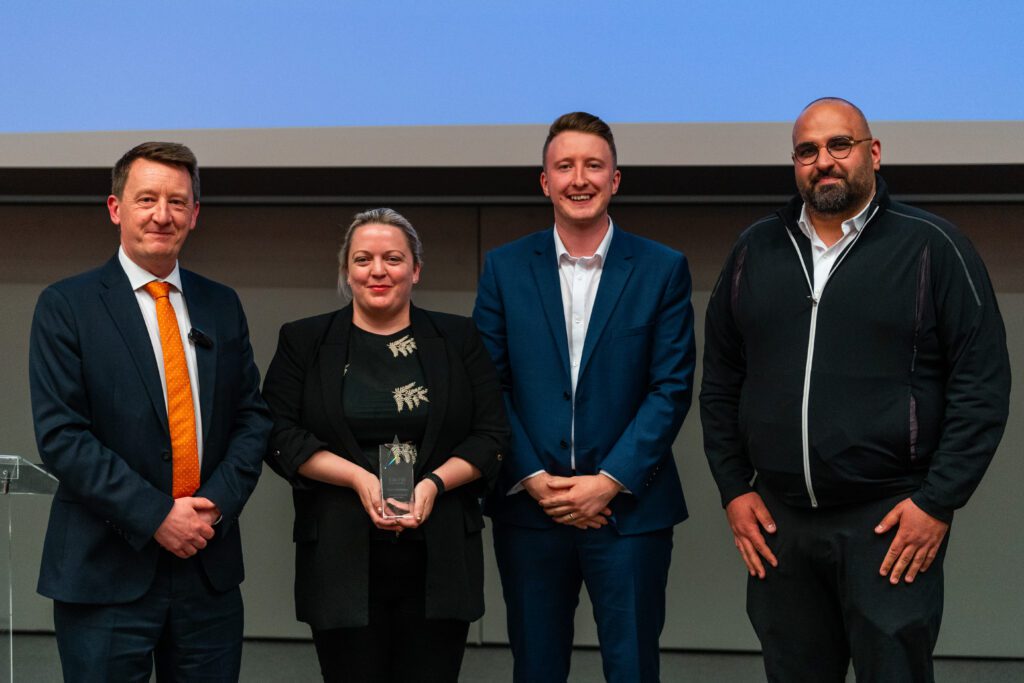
{"x":281,"y":259}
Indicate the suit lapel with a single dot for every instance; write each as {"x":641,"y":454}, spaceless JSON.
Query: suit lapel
{"x":614,"y":276}
{"x":332,"y":360}
{"x":201,"y":317}
{"x":549,"y":292}
{"x":119,"y":298}
{"x":434,"y":359}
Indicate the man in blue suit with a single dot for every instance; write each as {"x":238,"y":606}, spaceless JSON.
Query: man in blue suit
{"x":591,"y":330}
{"x":142,"y":555}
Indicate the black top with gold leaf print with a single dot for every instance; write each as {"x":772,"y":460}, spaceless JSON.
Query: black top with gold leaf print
{"x":384,"y":390}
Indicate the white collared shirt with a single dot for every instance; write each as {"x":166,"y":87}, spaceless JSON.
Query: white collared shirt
{"x":824,"y":257}
{"x":579,"y":277}
{"x":139,"y":277}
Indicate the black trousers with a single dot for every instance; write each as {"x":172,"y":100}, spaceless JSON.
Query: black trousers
{"x":400,"y":644}
{"x":827,"y":603}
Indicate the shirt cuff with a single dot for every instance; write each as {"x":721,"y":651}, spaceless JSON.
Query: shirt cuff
{"x":519,"y":487}
{"x":624,"y":489}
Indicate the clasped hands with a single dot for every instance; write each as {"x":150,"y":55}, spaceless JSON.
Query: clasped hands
{"x":188,"y":526}
{"x":912,"y":550}
{"x":367,"y":486}
{"x":580,"y":501}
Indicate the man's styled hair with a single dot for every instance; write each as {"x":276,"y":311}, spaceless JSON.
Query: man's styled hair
{"x":382,"y":216}
{"x":580,"y":122}
{"x":170,"y":153}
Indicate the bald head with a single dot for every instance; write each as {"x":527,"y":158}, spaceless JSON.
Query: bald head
{"x":834,"y":159}
{"x":831,"y":105}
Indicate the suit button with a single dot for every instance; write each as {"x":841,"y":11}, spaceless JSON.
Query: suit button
{"x":566,"y":395}
{"x":563,"y":443}
{"x":165,"y":456}
{"x":277,"y":454}
{"x":500,"y":457}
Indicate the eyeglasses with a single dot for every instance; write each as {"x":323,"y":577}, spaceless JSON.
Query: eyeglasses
{"x":806,"y":153}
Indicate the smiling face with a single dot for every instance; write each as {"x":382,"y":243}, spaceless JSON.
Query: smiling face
{"x":156,"y":211}
{"x":381,"y":272}
{"x":580,"y":178}
{"x":837,"y":188}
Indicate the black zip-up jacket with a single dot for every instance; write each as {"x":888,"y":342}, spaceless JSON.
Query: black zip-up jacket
{"x":896,"y":380}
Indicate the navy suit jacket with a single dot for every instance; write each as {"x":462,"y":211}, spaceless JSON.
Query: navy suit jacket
{"x":101,"y":428}
{"x":635,"y":378}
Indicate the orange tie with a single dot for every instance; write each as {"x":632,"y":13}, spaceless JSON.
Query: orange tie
{"x":181,"y":417}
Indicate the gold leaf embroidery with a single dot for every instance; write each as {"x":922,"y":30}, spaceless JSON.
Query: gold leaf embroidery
{"x":409,"y":396}
{"x":405,"y":346}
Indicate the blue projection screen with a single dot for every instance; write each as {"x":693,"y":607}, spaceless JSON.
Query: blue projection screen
{"x":417,"y":83}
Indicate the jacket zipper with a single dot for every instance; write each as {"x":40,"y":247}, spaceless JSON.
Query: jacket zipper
{"x":806,"y":436}
{"x":805,"y":403}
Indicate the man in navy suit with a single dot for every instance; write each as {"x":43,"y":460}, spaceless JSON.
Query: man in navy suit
{"x":138,"y":570}
{"x":591,"y":330}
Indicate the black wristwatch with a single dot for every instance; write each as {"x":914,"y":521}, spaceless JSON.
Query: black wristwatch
{"x":438,"y":482}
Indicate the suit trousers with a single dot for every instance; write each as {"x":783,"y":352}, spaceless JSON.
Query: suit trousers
{"x":541,"y":574}
{"x":190,"y":631}
{"x":400,"y":645}
{"x":826,"y":601}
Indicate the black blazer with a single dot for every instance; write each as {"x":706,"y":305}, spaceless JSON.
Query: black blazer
{"x":303,"y":388}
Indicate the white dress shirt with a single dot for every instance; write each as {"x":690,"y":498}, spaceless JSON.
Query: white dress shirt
{"x":139,"y":278}
{"x":824,"y":257}
{"x":579,"y":277}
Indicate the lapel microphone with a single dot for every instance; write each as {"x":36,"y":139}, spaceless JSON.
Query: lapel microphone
{"x":197,"y":337}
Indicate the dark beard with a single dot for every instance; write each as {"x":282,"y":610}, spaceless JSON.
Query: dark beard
{"x":837,"y":198}
{"x":830,"y":199}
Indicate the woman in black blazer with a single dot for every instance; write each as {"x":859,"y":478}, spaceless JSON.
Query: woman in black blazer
{"x":387,"y":599}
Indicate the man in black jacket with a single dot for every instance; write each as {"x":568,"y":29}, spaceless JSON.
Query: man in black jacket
{"x":856,"y":386}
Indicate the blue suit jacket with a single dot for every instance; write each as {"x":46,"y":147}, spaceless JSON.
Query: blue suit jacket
{"x":101,"y":428}
{"x":635,"y":378}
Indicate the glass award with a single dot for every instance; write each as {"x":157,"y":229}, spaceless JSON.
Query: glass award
{"x":397,"y":481}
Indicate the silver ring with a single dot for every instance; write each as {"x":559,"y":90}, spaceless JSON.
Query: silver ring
{"x":572,"y":516}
